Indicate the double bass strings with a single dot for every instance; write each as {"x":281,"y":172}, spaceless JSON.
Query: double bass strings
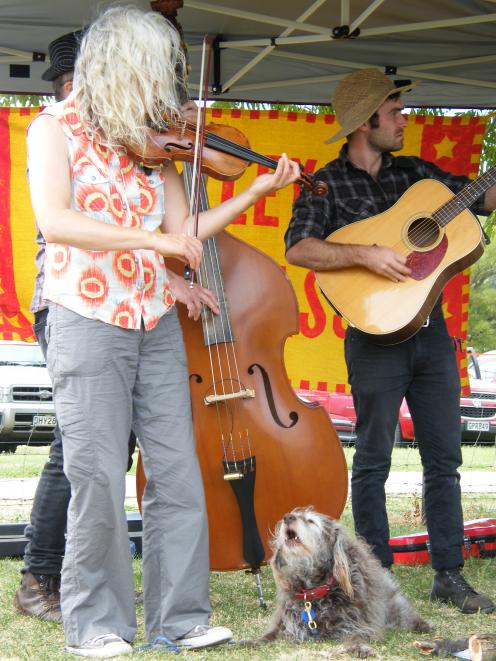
{"x":227,"y":338}
{"x":210,"y":276}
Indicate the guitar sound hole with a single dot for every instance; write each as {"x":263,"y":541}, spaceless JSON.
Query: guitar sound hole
{"x":423,"y":232}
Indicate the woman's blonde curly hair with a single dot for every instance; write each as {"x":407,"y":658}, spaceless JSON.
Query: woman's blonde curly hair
{"x":128,"y":74}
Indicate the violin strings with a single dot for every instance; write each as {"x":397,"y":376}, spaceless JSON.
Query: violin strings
{"x":229,"y":147}
{"x":220,"y":143}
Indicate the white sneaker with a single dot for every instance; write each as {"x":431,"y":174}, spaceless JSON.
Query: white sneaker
{"x":204,"y":636}
{"x":101,"y":647}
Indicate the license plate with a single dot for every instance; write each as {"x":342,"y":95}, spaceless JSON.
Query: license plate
{"x":478,"y":425}
{"x":44,"y":421}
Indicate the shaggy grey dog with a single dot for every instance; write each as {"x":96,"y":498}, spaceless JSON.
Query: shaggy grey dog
{"x":353,"y":598}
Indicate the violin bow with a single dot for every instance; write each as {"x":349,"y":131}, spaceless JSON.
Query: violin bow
{"x":168,"y":9}
{"x":194,"y":200}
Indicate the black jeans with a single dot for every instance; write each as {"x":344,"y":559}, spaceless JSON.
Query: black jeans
{"x":423,"y":369}
{"x":45,"y":533}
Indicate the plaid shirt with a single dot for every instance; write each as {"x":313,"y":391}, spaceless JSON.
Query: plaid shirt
{"x":355,"y":195}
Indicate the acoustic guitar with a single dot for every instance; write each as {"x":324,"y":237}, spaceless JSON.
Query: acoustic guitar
{"x":430,"y":226}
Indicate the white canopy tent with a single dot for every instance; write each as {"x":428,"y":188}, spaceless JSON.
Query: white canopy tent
{"x":292,"y":50}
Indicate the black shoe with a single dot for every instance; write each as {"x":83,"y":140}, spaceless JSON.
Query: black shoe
{"x":39,"y":597}
{"x":450,"y":586}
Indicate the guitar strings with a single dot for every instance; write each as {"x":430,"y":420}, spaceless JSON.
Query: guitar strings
{"x":452,"y":208}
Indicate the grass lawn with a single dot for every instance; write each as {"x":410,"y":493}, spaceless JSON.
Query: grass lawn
{"x":235,"y":604}
{"x":29,"y":461}
{"x":234,"y":597}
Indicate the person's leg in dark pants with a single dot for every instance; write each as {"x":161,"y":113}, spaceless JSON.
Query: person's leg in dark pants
{"x":379,"y":377}
{"x":434,"y":403}
{"x":39,"y":591}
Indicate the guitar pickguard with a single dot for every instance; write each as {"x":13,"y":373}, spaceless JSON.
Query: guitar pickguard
{"x":423,"y":263}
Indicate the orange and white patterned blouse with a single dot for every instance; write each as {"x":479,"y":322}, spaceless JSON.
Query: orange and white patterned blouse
{"x":120,"y":287}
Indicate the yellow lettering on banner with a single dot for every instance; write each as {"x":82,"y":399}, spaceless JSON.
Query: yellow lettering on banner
{"x":314,"y":356}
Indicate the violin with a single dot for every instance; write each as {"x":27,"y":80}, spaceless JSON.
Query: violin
{"x":226,"y":152}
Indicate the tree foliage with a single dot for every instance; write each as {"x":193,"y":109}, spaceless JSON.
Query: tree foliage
{"x":482,"y":301}
{"x":25,"y":100}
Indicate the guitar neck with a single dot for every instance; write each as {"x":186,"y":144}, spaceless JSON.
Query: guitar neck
{"x":466,"y":197}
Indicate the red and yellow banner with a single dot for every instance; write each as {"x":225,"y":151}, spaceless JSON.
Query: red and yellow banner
{"x":314,"y":358}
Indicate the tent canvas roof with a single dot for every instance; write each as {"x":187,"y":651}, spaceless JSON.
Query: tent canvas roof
{"x":287,"y":50}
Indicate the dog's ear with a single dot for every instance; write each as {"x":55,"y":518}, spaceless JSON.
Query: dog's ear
{"x":341,"y":569}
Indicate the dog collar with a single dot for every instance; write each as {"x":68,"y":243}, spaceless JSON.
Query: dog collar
{"x":315,"y":593}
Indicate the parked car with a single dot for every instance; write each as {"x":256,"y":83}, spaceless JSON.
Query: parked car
{"x":478,"y":410}
{"x":27,"y":413}
{"x":340,"y":408}
{"x":482,"y":366}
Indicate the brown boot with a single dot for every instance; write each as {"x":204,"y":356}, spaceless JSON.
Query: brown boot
{"x":39,"y":597}
{"x":450,"y":586}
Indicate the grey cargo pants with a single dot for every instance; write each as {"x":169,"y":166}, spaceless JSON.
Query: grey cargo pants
{"x":107,"y":379}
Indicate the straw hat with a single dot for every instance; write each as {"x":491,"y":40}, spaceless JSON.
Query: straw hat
{"x":63,"y":52}
{"x":359,"y":95}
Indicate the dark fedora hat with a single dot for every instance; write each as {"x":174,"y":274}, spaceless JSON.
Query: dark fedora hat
{"x":63,"y":53}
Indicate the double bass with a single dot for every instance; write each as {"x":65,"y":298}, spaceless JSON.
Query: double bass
{"x":262,"y":451}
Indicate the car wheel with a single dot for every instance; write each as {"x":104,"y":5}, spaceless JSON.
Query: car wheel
{"x":399,"y":441}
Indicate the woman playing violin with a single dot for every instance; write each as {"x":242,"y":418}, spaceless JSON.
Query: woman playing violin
{"x":116,"y":354}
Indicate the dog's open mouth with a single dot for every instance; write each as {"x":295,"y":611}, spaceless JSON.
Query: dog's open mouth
{"x":292,"y":538}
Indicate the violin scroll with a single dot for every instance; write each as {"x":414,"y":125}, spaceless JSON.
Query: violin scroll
{"x":318,"y":187}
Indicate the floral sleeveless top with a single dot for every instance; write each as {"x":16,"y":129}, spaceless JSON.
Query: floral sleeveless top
{"x":121,"y":287}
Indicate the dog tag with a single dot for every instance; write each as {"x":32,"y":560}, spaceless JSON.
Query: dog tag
{"x":307,"y":616}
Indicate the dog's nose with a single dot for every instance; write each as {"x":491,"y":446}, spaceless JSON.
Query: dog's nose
{"x":289,"y":518}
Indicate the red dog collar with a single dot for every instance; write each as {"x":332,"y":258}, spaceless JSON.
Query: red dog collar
{"x":315,"y":593}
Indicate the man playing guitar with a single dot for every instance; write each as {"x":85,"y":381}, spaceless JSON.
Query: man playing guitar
{"x":363,"y":181}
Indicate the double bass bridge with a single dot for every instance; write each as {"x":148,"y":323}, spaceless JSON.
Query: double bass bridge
{"x":243,"y":393}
